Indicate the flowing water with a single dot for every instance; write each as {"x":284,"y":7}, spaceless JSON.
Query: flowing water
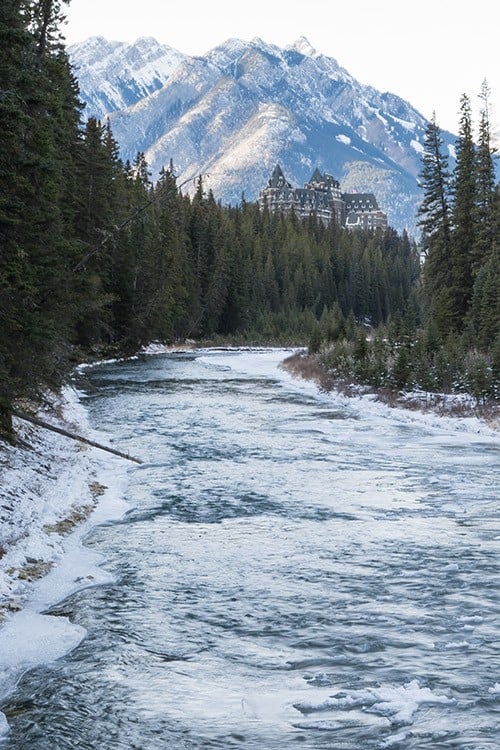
{"x":295,"y":570}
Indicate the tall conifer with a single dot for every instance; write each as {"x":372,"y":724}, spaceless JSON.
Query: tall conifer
{"x":39,"y":112}
{"x":464,"y":199}
{"x":436,"y":232}
{"x":485,"y":186}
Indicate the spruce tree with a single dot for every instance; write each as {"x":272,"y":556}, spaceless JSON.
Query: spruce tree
{"x":176,"y":310}
{"x":436,"y":232}
{"x":39,"y":110}
{"x":464,"y":199}
{"x":485,"y":172}
{"x":16,"y":52}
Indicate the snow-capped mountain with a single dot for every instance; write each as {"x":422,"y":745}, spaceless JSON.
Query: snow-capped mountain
{"x":233,"y":114}
{"x":115,"y":75}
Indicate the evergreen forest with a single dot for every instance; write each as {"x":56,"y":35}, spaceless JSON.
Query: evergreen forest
{"x":450,"y":340}
{"x":97,"y":258}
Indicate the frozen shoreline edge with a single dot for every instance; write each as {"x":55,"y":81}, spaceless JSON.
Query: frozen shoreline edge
{"x":53,"y":491}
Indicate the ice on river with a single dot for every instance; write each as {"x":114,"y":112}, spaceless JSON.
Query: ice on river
{"x":398,"y":704}
{"x":292,"y":566}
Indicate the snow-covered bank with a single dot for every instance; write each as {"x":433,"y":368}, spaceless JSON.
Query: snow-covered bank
{"x":52,"y":490}
{"x":458,"y":410}
{"x":50,"y":485}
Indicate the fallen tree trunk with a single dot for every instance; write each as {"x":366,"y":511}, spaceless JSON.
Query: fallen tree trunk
{"x":73,"y":436}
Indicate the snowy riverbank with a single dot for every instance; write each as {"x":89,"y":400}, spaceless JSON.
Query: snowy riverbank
{"x":462,"y":408}
{"x":49,"y":484}
{"x":52,"y":490}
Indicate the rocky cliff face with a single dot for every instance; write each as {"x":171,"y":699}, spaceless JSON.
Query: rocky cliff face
{"x":235,"y":112}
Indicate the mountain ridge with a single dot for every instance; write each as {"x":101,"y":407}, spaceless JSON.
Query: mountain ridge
{"x":233,"y":113}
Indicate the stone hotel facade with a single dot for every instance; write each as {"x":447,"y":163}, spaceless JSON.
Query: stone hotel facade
{"x":322,"y":197}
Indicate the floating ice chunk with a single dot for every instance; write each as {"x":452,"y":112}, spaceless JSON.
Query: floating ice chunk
{"x":495,"y":690}
{"x":4,"y":727}
{"x":395,"y":739}
{"x":397,"y":703}
{"x":326,"y":725}
{"x":30,"y":639}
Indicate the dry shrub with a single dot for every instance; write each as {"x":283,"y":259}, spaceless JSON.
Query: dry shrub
{"x":307,"y":367}
{"x":32,"y":571}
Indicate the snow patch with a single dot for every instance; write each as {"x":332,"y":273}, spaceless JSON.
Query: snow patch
{"x":303,"y":46}
{"x":31,"y":639}
{"x":404,"y":123}
{"x":398,"y":704}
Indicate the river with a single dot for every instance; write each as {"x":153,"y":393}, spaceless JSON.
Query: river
{"x":294,"y":569}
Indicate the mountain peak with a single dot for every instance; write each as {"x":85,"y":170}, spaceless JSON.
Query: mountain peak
{"x":303,"y":46}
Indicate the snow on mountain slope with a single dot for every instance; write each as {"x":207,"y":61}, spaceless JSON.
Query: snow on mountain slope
{"x":114,"y":75}
{"x":232,"y":114}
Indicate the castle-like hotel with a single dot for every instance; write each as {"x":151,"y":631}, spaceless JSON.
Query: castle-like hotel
{"x":322,"y":197}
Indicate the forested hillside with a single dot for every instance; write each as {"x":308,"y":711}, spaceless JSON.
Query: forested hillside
{"x":96,"y":258}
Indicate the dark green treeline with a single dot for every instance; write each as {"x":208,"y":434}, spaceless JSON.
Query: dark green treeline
{"x":95,"y":257}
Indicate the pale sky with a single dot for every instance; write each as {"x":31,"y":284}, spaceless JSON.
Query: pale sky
{"x":428,"y":52}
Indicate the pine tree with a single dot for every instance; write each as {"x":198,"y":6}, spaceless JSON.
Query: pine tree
{"x":15,"y":53}
{"x":38,"y":139}
{"x":485,"y":171}
{"x":177,"y":305}
{"x":45,"y":19}
{"x":485,"y":308}
{"x":135,"y":237}
{"x":436,"y":235}
{"x":464,"y":195}
{"x":96,"y":202}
